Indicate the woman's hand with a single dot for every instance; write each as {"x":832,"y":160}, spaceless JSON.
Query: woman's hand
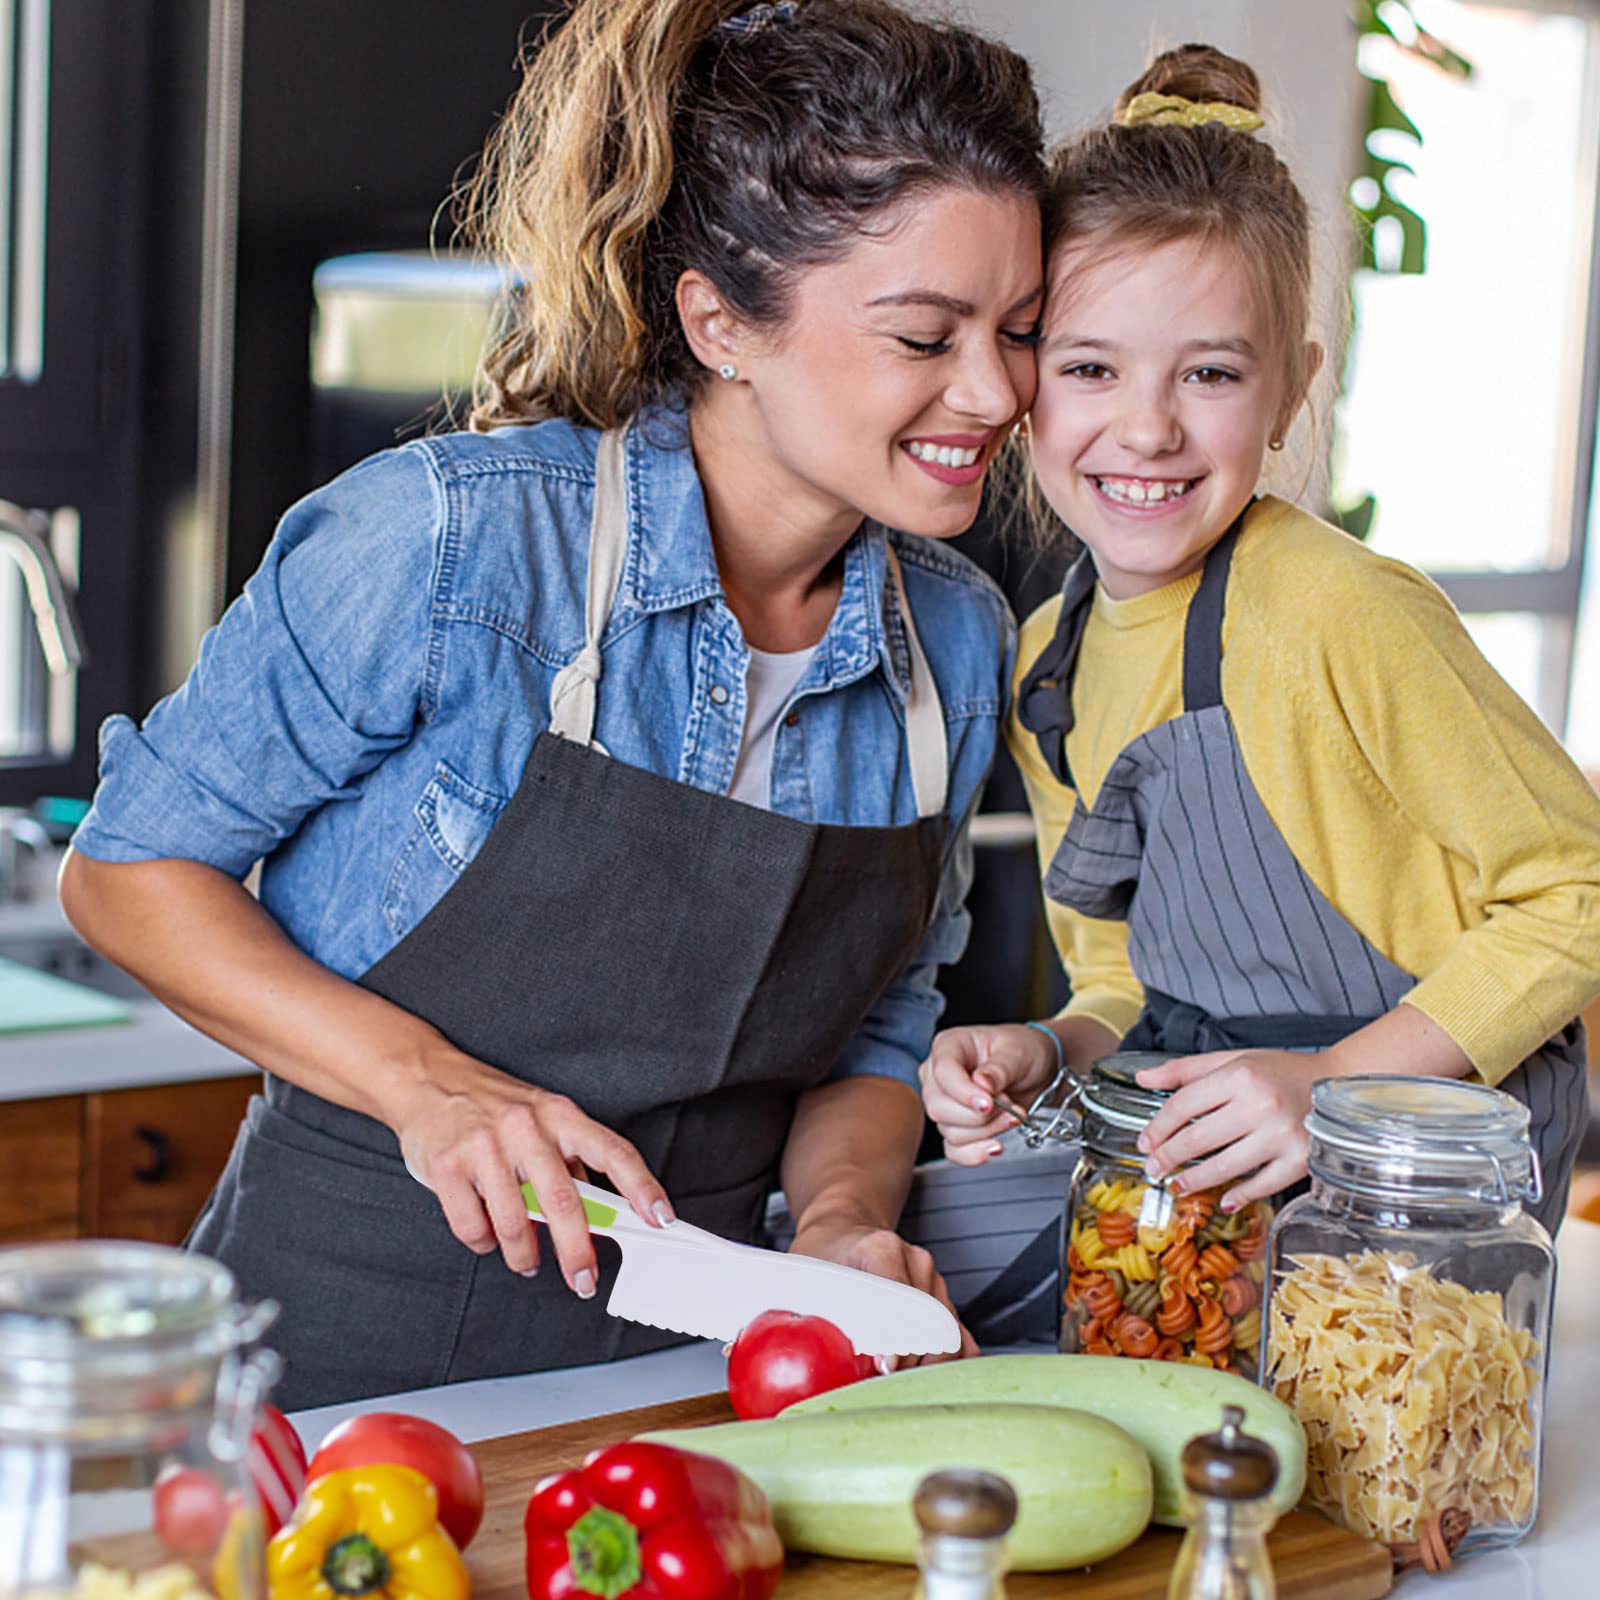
{"x":472,"y":1133}
{"x":1243,"y":1111}
{"x":884,"y":1252}
{"x":207,"y":948}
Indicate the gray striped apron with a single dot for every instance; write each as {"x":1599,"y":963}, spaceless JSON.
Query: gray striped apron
{"x":683,"y":966}
{"x":1234,"y":944}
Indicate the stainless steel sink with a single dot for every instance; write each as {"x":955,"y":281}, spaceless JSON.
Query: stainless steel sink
{"x":67,"y":956}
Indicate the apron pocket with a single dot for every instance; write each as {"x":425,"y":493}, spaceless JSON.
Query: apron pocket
{"x":371,"y":1281}
{"x":454,"y":817}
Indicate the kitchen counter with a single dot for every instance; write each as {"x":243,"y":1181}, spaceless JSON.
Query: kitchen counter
{"x":1558,"y":1558}
{"x":153,"y":1047}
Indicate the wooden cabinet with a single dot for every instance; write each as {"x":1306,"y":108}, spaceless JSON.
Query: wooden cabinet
{"x":41,"y":1158}
{"x":119,"y":1164}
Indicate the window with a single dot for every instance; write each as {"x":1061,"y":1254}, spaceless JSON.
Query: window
{"x":395,"y":339}
{"x":1469,"y":408}
{"x":24,"y":145}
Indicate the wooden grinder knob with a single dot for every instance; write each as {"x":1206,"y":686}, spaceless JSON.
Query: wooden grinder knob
{"x":1230,"y":1464}
{"x":963,"y":1503}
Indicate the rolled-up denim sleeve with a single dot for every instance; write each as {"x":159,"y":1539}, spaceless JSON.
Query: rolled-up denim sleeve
{"x":312,"y":676}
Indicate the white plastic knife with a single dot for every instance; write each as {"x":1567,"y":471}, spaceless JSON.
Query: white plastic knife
{"x":690,"y":1281}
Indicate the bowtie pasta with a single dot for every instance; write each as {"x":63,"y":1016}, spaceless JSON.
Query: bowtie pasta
{"x":1415,"y":1394}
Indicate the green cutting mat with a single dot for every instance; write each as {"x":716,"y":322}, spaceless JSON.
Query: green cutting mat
{"x":30,"y":999}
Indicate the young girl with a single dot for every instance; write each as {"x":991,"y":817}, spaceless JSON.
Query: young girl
{"x":1293,"y":824}
{"x":611,"y":762}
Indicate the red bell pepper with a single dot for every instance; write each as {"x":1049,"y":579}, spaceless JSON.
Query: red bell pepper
{"x":648,"y":1522}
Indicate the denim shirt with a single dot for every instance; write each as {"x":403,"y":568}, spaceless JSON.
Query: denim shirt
{"x":363,"y":712}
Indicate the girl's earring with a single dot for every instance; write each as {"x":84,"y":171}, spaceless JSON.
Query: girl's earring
{"x":1020,"y":431}
{"x":730,"y":372}
{"x":1274,"y":444}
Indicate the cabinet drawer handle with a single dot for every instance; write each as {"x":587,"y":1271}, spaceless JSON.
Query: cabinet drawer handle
{"x":160,"y":1162}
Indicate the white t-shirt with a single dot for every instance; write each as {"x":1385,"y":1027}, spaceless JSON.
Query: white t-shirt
{"x":769,"y":682}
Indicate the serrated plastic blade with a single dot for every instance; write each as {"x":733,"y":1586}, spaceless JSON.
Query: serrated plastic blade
{"x":713,"y":1290}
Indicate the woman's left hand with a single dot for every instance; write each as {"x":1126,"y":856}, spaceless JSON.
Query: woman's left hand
{"x":883,"y":1251}
{"x":1247,"y":1106}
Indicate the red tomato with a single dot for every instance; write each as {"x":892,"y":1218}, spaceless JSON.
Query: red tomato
{"x":277,"y":1467}
{"x":411,"y":1442}
{"x":190,"y":1511}
{"x":782,"y":1357}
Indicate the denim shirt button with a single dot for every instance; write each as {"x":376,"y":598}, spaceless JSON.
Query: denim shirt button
{"x":719,"y":695}
{"x":790,"y":720}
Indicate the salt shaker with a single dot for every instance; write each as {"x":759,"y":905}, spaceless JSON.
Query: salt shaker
{"x":964,"y":1516}
{"x":1229,"y":1477}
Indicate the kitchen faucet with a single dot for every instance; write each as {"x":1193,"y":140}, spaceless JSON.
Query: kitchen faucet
{"x":24,"y":537}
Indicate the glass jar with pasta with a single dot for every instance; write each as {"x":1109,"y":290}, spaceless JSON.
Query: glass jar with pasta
{"x":1408,"y":1314}
{"x":1150,"y":1273}
{"x":128,"y":1395}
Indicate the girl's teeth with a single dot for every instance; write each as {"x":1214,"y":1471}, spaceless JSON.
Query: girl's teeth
{"x":1139,"y":492}
{"x":942,"y":455}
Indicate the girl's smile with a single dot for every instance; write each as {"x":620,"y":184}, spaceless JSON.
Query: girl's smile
{"x":1159,"y":389}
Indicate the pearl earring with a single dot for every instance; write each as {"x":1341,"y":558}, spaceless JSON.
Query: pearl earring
{"x":728,"y":370}
{"x":1274,"y":444}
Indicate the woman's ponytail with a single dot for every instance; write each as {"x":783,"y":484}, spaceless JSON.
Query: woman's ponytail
{"x":570,"y":183}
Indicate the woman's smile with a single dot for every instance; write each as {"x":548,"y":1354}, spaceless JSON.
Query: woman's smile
{"x":956,"y":459}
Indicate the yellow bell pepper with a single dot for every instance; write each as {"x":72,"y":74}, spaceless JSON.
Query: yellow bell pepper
{"x":370,"y":1530}
{"x":240,"y":1547}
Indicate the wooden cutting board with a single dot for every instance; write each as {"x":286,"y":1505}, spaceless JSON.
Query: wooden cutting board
{"x":1310,"y":1556}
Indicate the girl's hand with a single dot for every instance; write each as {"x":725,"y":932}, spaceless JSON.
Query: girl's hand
{"x":1249,"y":1106}
{"x":884,"y":1252}
{"x":472,"y":1134}
{"x":967,"y":1068}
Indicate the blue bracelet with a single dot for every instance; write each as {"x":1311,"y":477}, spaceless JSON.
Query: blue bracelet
{"x":1055,"y":1039}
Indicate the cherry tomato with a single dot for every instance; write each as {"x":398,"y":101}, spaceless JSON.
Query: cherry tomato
{"x":411,"y":1442}
{"x":277,"y":1467}
{"x":190,"y":1511}
{"x":782,"y":1357}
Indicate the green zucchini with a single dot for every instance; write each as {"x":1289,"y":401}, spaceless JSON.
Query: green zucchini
{"x":1163,"y":1404}
{"x":840,"y":1484}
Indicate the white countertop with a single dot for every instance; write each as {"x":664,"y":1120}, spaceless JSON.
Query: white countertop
{"x":153,"y":1047}
{"x":1559,"y":1560}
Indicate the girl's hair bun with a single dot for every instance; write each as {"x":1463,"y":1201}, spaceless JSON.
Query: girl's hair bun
{"x":1198,"y":72}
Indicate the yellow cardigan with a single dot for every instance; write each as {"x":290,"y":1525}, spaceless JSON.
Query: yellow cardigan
{"x":1421,"y":795}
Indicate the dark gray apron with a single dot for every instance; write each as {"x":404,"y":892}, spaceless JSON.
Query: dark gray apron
{"x":1234,"y":944}
{"x":682,"y":965}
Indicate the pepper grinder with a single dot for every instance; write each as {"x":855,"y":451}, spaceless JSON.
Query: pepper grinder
{"x":1229,"y":1476}
{"x":964,"y":1516}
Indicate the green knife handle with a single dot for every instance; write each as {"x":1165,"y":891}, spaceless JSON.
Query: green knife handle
{"x":598,"y":1216}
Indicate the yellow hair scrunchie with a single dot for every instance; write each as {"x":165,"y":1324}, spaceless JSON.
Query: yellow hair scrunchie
{"x":1173,"y":111}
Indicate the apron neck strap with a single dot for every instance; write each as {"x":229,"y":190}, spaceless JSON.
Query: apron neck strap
{"x":1044,"y":702}
{"x":572,"y":695}
{"x":925,"y":733}
{"x":1202,"y":628}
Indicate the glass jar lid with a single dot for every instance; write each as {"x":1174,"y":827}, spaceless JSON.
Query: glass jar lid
{"x":102,"y":1337}
{"x":1419,"y":1138}
{"x":1113,"y":1092}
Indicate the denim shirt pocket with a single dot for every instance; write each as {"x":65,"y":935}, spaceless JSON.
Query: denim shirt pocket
{"x":454,"y":817}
